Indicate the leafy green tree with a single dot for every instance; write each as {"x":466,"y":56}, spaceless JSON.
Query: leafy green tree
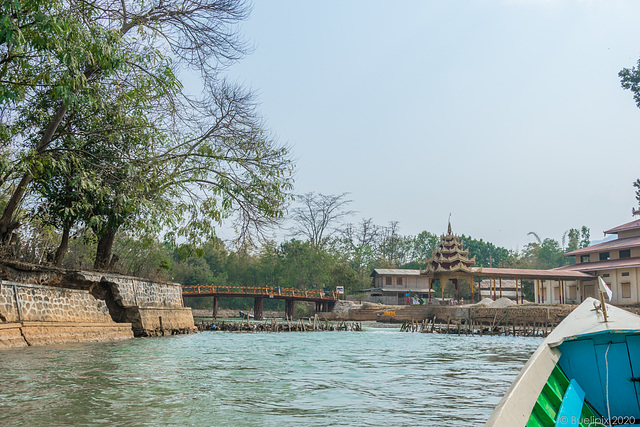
{"x":193,"y":271}
{"x":424,"y":244}
{"x":585,"y":237}
{"x":357,"y":246}
{"x":144,"y":256}
{"x":198,"y":34}
{"x":74,"y":180}
{"x":487,"y":254}
{"x":574,"y":239}
{"x":630,"y":80}
{"x":394,"y":249}
{"x":105,"y":150}
{"x":544,"y":255}
{"x":48,"y":48}
{"x":304,"y":265}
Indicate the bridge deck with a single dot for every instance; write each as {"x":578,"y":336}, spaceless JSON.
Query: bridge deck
{"x":257,"y":292}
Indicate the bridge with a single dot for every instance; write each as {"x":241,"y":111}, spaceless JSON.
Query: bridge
{"x":325,"y":300}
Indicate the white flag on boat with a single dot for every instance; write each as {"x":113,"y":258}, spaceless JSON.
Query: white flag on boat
{"x":604,"y":288}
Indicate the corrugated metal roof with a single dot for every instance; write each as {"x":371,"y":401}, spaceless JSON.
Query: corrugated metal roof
{"x":396,"y":290}
{"x":609,"y":264}
{"x":506,"y":284}
{"x":523,"y":273}
{"x":395,"y":272}
{"x":624,"y":227}
{"x":627,"y":242}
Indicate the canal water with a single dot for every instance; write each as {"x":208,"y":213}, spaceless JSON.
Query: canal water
{"x":370,"y":378}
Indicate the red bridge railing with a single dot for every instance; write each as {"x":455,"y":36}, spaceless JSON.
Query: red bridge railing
{"x":258,"y":290}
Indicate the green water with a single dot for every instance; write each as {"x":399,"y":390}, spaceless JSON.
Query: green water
{"x":371,"y":378}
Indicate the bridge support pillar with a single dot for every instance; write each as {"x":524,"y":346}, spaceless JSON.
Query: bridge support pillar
{"x":215,"y":307}
{"x":257,"y":308}
{"x":289,"y":308}
{"x":330,"y":306}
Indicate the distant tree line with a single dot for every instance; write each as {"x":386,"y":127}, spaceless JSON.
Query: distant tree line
{"x":345,"y":255}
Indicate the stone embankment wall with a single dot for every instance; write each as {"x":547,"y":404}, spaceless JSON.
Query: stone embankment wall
{"x":36,"y":303}
{"x":37,"y":315}
{"x":152,"y":308}
{"x":40,"y":305}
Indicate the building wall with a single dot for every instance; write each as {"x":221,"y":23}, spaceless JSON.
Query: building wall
{"x":629,"y":233}
{"x":615,"y":282}
{"x":551,"y":291}
{"x":614,"y":254}
{"x":408,"y":282}
{"x":36,"y":303}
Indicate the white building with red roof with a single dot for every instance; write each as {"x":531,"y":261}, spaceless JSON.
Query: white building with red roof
{"x":617,"y":261}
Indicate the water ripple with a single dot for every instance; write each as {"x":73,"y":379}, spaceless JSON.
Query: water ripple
{"x":264,"y":379}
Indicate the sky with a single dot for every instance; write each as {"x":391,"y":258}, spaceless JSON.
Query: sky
{"x":508,"y":115}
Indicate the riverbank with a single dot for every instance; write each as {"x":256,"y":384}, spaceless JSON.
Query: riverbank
{"x":42,"y":305}
{"x":501,"y":317}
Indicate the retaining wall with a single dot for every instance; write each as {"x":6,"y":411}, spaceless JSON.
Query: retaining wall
{"x":39,"y":315}
{"x":36,"y":303}
{"x":47,"y":305}
{"x":136,"y":292}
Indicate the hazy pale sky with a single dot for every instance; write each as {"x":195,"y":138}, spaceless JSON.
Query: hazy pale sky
{"x":507,"y":114}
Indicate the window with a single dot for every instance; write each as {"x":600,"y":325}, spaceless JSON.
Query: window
{"x":389,"y":283}
{"x":626,"y":290}
{"x":399,"y":281}
{"x":626,"y":253}
{"x":604,"y":256}
{"x":625,"y":274}
{"x":585,"y":258}
{"x":573,"y":292}
{"x":605,"y":275}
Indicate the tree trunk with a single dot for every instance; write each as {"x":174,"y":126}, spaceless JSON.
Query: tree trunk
{"x":103,"y":253}
{"x":64,"y":245}
{"x":7,"y":225}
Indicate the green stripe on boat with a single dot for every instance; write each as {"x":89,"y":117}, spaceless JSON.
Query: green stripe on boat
{"x":549,"y":411}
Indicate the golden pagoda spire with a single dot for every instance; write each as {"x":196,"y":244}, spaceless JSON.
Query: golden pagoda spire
{"x":449,"y":255}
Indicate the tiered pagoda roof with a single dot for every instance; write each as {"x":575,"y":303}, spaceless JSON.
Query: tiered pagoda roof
{"x":449,"y":257}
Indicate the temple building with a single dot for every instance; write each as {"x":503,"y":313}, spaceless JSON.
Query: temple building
{"x":449,"y":262}
{"x":616,"y":261}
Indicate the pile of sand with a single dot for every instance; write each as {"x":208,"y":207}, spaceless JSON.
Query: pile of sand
{"x":499,"y":303}
{"x":502,"y":303}
{"x":486,"y":302}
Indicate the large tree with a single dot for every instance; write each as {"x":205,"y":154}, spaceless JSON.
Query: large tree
{"x":317,"y":217}
{"x":169,"y":160}
{"x":630,"y":80}
{"x":86,"y":42}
